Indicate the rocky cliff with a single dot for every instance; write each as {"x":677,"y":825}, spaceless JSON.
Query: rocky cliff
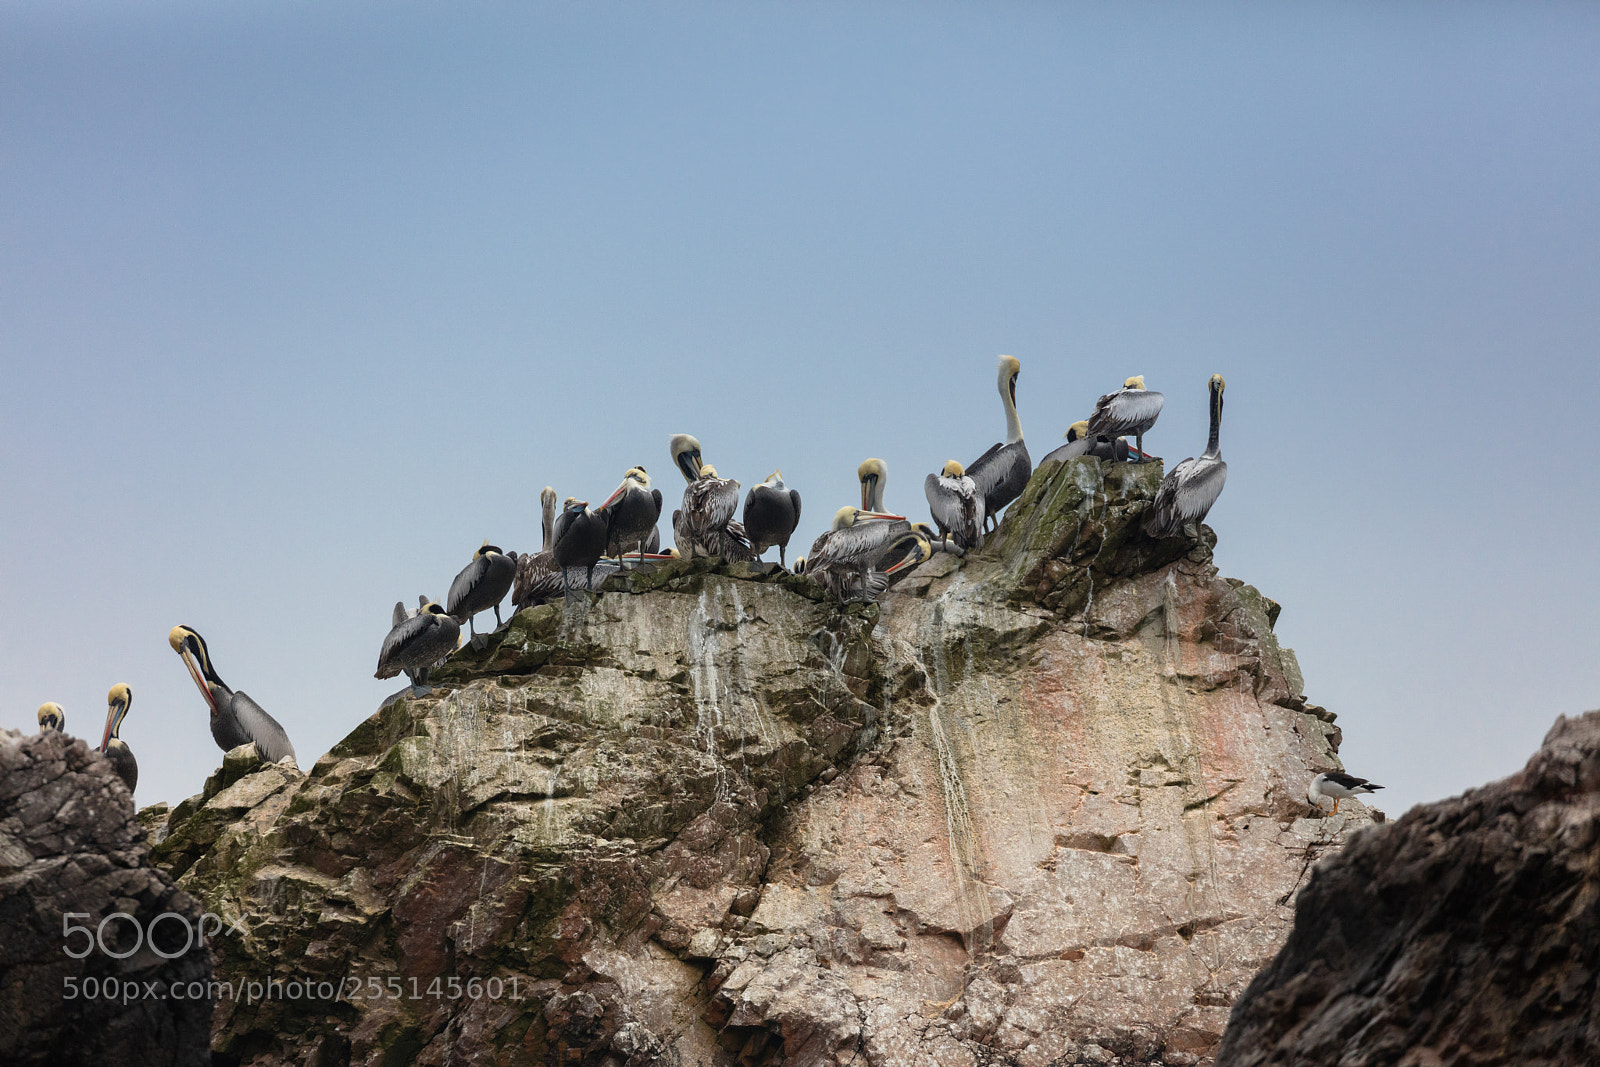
{"x":1466,"y":933}
{"x":1044,"y":804}
{"x":78,"y":985}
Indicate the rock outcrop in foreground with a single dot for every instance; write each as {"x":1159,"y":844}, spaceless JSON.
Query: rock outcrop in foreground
{"x":71,"y":848}
{"x":1041,"y":805}
{"x":1466,"y":933}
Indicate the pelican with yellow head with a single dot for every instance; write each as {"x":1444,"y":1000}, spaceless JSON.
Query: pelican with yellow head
{"x":235,"y":718}
{"x":118,"y":701}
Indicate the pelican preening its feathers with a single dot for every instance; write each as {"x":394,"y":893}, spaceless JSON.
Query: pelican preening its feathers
{"x":579,"y":540}
{"x":704,"y":525}
{"x":51,"y":717}
{"x":843,"y":558}
{"x":771,"y":513}
{"x":417,"y":642}
{"x":1133,"y":409}
{"x":1080,"y":443}
{"x":235,"y":718}
{"x":631,"y":514}
{"x":1191,"y":487}
{"x":481,"y":585}
{"x":1002,"y":472}
{"x":956,"y":505}
{"x":118,"y":701}
{"x":1337,"y":786}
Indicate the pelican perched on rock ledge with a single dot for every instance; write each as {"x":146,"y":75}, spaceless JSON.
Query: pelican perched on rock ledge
{"x":1002,"y":472}
{"x":631,"y":515}
{"x":538,"y":578}
{"x":771,"y":513}
{"x":956,"y":505}
{"x":118,"y":701}
{"x":235,"y":718}
{"x":481,"y":585}
{"x":417,"y":642}
{"x":580,"y":540}
{"x":51,"y":717}
{"x":704,"y":525}
{"x":1133,"y":409}
{"x":1191,"y":487}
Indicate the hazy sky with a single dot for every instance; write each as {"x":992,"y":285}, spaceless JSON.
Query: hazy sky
{"x":301,"y":302}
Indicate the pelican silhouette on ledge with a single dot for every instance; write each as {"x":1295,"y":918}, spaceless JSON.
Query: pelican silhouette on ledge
{"x":417,"y":642}
{"x":235,"y":718}
{"x":579,"y":541}
{"x":481,"y":585}
{"x":771,"y":513}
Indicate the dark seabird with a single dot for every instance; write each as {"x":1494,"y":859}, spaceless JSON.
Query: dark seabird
{"x":1002,"y":472}
{"x":1190,"y":488}
{"x":417,"y":643}
{"x":771,"y":513}
{"x":118,"y":701}
{"x":481,"y":585}
{"x":1133,"y":409}
{"x":235,"y":718}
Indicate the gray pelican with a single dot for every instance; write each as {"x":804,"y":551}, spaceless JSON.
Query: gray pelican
{"x":1002,"y":472}
{"x":842,"y":559}
{"x":704,"y":525}
{"x":1191,"y":487}
{"x":51,"y":717}
{"x":1079,"y":443}
{"x":481,"y":585}
{"x":579,"y":540}
{"x":631,"y":515}
{"x":235,"y":718}
{"x":538,"y":578}
{"x":1133,"y":409}
{"x":1337,"y":786}
{"x":904,"y":552}
{"x":118,"y":701}
{"x":956,"y":505}
{"x":771,"y":512}
{"x":416,"y":643}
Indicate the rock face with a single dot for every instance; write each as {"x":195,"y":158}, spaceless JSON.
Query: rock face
{"x":71,"y":848}
{"x":1467,"y":932}
{"x":1044,"y":804}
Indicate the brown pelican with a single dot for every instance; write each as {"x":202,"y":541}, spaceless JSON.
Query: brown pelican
{"x":1130,"y":410}
{"x":631,"y":514}
{"x":873,"y":474}
{"x":1337,"y":786}
{"x":51,"y":717}
{"x":118,"y":701}
{"x":1191,"y":487}
{"x":1001,"y":473}
{"x":842,"y":558}
{"x":538,"y":577}
{"x":417,"y":643}
{"x":704,"y":525}
{"x":1079,"y":443}
{"x":771,"y":512}
{"x":579,"y":541}
{"x":481,"y":585}
{"x":235,"y":718}
{"x":956,"y":505}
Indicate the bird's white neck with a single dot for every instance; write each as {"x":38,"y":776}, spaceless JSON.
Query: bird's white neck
{"x":1013,"y":424}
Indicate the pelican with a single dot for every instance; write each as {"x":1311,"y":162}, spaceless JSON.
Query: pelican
{"x":956,"y":506}
{"x":118,"y":701}
{"x":631,"y":515}
{"x":1191,"y":487}
{"x":235,"y":718}
{"x":842,"y":558}
{"x":1079,"y":443}
{"x":1001,"y":473}
{"x":906,"y":551}
{"x":771,"y":512}
{"x":579,"y":540}
{"x":1130,"y":410}
{"x":417,"y":642}
{"x":1337,"y":786}
{"x":538,"y":577}
{"x":51,"y":717}
{"x":704,"y":525}
{"x":873,"y":474}
{"x":481,"y":585}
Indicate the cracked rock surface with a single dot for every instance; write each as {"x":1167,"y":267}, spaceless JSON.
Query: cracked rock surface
{"x":1041,"y":805}
{"x":71,"y":849}
{"x":1464,"y":934}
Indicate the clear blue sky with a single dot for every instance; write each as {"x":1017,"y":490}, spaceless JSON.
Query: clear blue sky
{"x":301,"y":302}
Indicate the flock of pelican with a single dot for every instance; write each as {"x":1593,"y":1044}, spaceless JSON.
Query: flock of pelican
{"x":864,"y":549}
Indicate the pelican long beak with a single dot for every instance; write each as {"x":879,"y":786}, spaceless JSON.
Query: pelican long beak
{"x":623,"y":488}
{"x":199,"y":680}
{"x":111,"y":719}
{"x":923,"y":553}
{"x":878,"y":515}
